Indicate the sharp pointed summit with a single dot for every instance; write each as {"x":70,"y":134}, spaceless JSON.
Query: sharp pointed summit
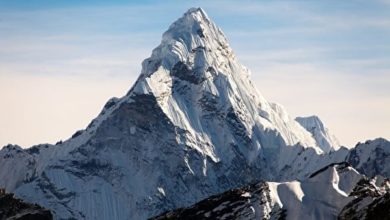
{"x":194,"y":65}
{"x":193,"y":125}
{"x":194,"y":43}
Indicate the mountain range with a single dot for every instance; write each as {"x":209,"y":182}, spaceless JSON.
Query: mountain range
{"x":193,"y":126}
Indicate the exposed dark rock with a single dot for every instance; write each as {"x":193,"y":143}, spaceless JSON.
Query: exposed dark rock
{"x":371,"y":158}
{"x":341,"y":166}
{"x":368,"y":203}
{"x":232,"y":204}
{"x":78,"y":133}
{"x":16,"y":209}
{"x":183,"y":72}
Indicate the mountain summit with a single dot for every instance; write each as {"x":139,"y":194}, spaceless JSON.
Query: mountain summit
{"x":195,"y":69}
{"x":193,"y":125}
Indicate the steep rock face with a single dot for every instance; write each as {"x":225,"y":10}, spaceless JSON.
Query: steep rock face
{"x":372,"y":157}
{"x":336,"y":191}
{"x":16,"y":209}
{"x":251,"y":202}
{"x":320,"y":133}
{"x":371,"y":200}
{"x":192,"y":126}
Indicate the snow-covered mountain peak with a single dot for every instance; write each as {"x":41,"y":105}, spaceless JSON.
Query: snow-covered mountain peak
{"x":320,"y":133}
{"x":371,"y":157}
{"x":193,"y":19}
{"x":193,"y":125}
{"x":193,"y":42}
{"x":193,"y":73}
{"x":313,"y":121}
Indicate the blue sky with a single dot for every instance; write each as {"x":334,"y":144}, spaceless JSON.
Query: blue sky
{"x":61,"y":60}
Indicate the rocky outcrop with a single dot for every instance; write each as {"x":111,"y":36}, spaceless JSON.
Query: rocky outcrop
{"x":12,"y":208}
{"x":336,"y":191}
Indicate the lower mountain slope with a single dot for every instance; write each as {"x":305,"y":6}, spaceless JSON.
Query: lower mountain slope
{"x":335,"y":192}
{"x":371,"y":202}
{"x":16,"y":209}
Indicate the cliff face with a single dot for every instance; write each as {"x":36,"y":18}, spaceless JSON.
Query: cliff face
{"x":17,"y":209}
{"x":371,"y":157}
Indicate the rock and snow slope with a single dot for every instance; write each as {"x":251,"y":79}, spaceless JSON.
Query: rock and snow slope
{"x":372,"y":157}
{"x":324,"y":139}
{"x":12,"y":208}
{"x":336,"y":191}
{"x":193,"y":125}
{"x":371,"y":200}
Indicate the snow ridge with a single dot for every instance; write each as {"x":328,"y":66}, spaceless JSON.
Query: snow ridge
{"x":320,"y":133}
{"x":333,"y":192}
{"x":193,"y":125}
